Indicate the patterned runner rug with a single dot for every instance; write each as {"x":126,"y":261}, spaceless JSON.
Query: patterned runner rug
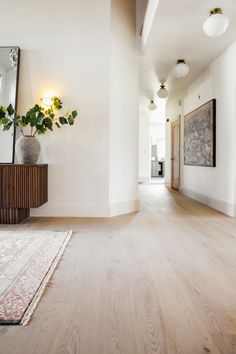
{"x":27,"y":261}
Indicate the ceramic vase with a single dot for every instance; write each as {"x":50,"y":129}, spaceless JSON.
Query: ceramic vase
{"x":27,"y":150}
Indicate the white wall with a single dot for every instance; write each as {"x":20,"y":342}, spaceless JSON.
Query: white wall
{"x":123,"y":123}
{"x":144,"y":140}
{"x":213,"y":186}
{"x":158,"y":136}
{"x":66,"y":49}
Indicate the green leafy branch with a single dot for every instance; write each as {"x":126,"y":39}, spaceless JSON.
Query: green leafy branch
{"x":38,"y":118}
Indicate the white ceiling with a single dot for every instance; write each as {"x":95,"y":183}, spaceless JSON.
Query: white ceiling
{"x":177,"y":33}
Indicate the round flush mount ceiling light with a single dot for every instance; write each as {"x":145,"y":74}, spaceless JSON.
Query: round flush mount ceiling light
{"x":216,"y":24}
{"x":181,"y":69}
{"x":152,"y":106}
{"x":162,"y":92}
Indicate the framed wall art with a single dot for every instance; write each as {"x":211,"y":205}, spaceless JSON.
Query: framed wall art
{"x":200,"y":136}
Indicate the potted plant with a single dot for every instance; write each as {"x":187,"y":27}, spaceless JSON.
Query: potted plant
{"x":37,"y":121}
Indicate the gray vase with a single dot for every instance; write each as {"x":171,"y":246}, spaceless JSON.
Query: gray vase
{"x":27,"y":150}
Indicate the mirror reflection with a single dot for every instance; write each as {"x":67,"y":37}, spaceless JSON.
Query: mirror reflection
{"x":9,"y":69}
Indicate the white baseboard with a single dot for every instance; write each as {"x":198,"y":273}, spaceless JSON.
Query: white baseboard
{"x":124,"y":208}
{"x":49,"y":210}
{"x":222,"y":206}
{"x":101,"y":211}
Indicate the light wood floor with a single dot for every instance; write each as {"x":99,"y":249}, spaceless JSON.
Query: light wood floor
{"x":159,"y":281}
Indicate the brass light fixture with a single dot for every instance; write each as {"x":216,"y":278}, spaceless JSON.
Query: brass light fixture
{"x":181,"y":69}
{"x":217,"y":10}
{"x":152,"y":105}
{"x":216,"y":24}
{"x":162,"y":92}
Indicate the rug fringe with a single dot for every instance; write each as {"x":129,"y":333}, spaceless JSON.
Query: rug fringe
{"x":41,"y":289}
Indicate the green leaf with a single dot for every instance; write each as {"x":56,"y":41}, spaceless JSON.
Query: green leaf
{"x":71,"y":120}
{"x":37,"y":107}
{"x":7,"y":126}
{"x":63,"y":120}
{"x":10,"y":110}
{"x":56,"y":103}
{"x":40,"y":129}
{"x":74,"y":114}
{"x":5,"y":120}
{"x":48,"y":123}
{"x":48,"y":112}
{"x":37,"y":117}
{"x":2,"y":112}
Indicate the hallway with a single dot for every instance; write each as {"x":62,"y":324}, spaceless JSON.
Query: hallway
{"x":159,"y":281}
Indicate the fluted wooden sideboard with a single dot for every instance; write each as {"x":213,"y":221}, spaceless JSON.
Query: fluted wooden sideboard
{"x":21,"y":187}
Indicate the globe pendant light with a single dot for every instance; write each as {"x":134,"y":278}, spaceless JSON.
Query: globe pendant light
{"x":162,"y":92}
{"x":152,"y":106}
{"x":216,"y":24}
{"x":181,"y":69}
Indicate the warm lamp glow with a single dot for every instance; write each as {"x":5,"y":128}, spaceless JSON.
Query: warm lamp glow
{"x":47,"y":98}
{"x":47,"y":101}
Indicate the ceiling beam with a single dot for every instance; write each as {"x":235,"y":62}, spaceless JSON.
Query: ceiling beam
{"x":150,"y":13}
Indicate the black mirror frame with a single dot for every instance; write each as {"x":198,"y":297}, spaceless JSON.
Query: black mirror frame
{"x":16,"y":98}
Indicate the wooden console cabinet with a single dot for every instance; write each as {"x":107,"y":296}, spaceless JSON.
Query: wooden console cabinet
{"x":21,"y":187}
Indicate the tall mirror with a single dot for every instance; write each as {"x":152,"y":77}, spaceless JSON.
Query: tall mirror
{"x":9,"y":73}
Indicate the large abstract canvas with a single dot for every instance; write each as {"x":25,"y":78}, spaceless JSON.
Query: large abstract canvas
{"x":200,"y":137}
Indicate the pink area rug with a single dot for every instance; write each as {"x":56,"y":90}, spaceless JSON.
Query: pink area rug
{"x":27,"y":261}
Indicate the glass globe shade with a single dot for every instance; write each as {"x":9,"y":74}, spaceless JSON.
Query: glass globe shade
{"x":152,"y":106}
{"x":162,"y":92}
{"x":215,"y":25}
{"x":181,"y":69}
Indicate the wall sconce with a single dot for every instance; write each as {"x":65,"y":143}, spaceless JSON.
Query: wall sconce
{"x":152,"y":106}
{"x":47,"y":101}
{"x":216,"y":24}
{"x":181,"y":69}
{"x":162,"y":92}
